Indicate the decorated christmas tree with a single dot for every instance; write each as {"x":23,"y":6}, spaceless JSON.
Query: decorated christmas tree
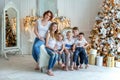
{"x":105,"y":35}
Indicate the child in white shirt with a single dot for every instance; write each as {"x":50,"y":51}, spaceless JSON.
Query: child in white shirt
{"x":69,"y":41}
{"x":75,"y":31}
{"x":79,"y":48}
{"x":60,"y":48}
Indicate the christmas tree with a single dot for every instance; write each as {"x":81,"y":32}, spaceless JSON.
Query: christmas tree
{"x":105,"y":35}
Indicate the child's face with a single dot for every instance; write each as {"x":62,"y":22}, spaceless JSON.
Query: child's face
{"x":69,"y":35}
{"x":80,"y":37}
{"x":75,"y":32}
{"x":60,"y":38}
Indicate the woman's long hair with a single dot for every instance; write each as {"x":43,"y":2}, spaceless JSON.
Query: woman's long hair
{"x":53,"y":35}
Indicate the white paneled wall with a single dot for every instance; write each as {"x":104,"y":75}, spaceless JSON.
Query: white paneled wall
{"x":25,"y":7}
{"x":82,"y":13}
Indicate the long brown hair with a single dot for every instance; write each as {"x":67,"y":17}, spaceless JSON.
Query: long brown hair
{"x":50,"y":29}
{"x":46,"y":12}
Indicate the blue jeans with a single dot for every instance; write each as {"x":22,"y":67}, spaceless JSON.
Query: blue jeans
{"x":53,"y":58}
{"x":61,"y":56}
{"x":80,"y":52}
{"x":36,"y":49}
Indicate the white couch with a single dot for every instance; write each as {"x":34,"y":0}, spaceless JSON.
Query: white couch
{"x":44,"y":57}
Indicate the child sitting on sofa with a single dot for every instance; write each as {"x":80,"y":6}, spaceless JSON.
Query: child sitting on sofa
{"x":60,"y":48}
{"x":69,"y":41}
{"x":79,"y":47}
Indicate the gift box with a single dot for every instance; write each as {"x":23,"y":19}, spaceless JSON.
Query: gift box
{"x":93,"y":51}
{"x":117,"y":63}
{"x":92,"y":58}
{"x":110,"y":62}
{"x":99,"y":60}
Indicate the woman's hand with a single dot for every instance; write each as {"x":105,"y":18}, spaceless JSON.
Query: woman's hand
{"x":42,"y":39}
{"x":55,"y":48}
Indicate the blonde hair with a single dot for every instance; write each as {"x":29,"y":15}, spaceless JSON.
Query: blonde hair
{"x":50,"y":29}
{"x":68,"y":32}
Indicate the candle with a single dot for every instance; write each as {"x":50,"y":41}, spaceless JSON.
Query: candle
{"x":33,"y":12}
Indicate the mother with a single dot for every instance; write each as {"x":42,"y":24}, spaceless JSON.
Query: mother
{"x":40,"y":30}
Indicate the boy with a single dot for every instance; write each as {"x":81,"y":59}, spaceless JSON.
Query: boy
{"x":75,"y":32}
{"x":79,"y":47}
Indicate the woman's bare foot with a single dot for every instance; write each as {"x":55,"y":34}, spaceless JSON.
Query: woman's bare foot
{"x":50,"y":73}
{"x":37,"y":67}
{"x":86,"y":66}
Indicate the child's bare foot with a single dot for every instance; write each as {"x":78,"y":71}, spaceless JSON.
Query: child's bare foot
{"x":81,"y":67}
{"x":63,"y":65}
{"x":86,"y":66}
{"x":66,"y":68}
{"x":50,"y":73}
{"x":77,"y":68}
{"x":71,"y":69}
{"x":59,"y":63}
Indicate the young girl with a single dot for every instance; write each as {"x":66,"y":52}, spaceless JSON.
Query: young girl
{"x":60,"y":47}
{"x":69,"y":41}
{"x":51,"y":48}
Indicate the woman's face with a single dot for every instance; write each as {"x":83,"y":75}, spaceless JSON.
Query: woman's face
{"x":54,"y":27}
{"x":47,"y":16}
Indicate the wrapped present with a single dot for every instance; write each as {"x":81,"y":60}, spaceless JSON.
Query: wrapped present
{"x":99,"y":61}
{"x":92,"y":58}
{"x":110,"y":62}
{"x":93,"y":51}
{"x":117,"y":63}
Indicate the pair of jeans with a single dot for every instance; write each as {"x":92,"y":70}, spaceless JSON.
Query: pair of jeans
{"x":61,"y":56}
{"x":80,"y":52}
{"x":36,"y":49}
{"x":53,"y":58}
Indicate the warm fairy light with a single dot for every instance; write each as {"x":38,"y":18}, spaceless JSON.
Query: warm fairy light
{"x":63,"y":22}
{"x":29,"y":22}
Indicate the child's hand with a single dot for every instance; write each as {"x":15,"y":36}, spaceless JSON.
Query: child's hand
{"x":84,"y":47}
{"x":60,"y":52}
{"x":73,"y":50}
{"x":42,"y":39}
{"x":55,"y":48}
